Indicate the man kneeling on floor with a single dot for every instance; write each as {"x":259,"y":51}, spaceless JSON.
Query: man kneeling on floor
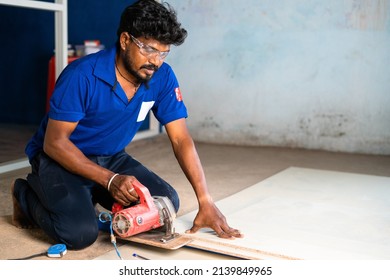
{"x":78,"y":156}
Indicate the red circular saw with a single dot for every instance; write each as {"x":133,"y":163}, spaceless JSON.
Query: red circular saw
{"x":152,"y":212}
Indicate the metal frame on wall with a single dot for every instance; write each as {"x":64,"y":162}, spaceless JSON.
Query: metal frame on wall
{"x":60,"y":8}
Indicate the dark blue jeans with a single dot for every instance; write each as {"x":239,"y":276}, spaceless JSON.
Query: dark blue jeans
{"x":63,"y":204}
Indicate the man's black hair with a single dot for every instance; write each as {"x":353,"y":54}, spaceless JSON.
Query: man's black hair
{"x":150,"y":19}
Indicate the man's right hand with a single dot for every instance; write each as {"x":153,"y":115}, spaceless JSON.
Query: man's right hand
{"x":122,"y":190}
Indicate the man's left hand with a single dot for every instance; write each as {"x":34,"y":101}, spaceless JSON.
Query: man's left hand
{"x":210,"y":216}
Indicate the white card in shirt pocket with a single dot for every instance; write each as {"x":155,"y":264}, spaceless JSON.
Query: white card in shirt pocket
{"x":145,"y":107}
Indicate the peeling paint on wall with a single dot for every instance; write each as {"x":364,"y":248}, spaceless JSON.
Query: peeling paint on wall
{"x":325,"y":125}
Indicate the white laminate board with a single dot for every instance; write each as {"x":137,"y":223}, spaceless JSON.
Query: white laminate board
{"x":303,"y":213}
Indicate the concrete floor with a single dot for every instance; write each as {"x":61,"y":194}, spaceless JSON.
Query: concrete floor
{"x":228,"y":169}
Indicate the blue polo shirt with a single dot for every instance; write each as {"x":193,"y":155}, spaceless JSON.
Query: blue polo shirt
{"x":87,"y":92}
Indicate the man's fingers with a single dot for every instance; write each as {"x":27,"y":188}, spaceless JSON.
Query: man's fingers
{"x":193,"y":229}
{"x":223,"y":234}
{"x":127,"y":196}
{"x":131,"y":194}
{"x":235,"y":232}
{"x":229,"y":233}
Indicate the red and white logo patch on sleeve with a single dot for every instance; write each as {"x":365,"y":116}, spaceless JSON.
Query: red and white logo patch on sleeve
{"x":179,"y":97}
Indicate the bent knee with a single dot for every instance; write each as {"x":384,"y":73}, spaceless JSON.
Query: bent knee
{"x":174,"y":197}
{"x":80,"y":237}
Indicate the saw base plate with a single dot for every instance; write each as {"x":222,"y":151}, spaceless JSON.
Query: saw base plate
{"x":159,"y":239}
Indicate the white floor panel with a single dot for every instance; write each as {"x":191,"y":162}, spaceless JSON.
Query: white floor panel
{"x":305,"y":214}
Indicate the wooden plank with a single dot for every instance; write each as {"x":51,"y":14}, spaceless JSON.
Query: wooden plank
{"x":227,"y":248}
{"x":305,"y":214}
{"x":152,"y":239}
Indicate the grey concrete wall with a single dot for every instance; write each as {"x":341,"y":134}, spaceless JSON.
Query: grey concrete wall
{"x":310,"y":74}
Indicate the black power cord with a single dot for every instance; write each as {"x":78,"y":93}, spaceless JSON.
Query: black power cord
{"x":55,"y":251}
{"x":30,"y":257}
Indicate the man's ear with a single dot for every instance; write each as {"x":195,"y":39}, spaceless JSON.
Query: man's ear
{"x":124,"y":40}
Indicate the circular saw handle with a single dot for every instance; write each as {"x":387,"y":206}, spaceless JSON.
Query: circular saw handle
{"x":144,"y":194}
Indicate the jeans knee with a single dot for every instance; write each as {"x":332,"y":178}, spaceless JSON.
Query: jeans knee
{"x":174,"y":197}
{"x":81,"y":237}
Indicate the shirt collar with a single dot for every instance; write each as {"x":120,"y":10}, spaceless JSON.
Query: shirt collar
{"x":105,"y":66}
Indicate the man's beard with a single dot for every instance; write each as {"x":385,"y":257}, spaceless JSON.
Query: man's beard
{"x":131,"y":69}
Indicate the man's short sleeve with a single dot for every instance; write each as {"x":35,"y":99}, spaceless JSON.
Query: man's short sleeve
{"x":169,"y":105}
{"x":69,"y":98}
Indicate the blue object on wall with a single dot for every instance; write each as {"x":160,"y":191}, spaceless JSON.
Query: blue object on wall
{"x":27,"y":45}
